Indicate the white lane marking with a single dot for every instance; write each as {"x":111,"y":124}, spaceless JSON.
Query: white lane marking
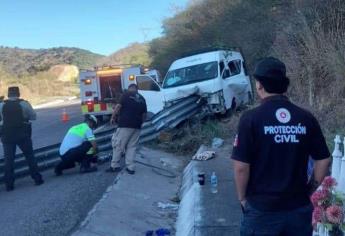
{"x":71,"y":100}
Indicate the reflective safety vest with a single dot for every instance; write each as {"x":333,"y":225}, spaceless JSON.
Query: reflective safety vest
{"x":75,"y":136}
{"x":80,"y":130}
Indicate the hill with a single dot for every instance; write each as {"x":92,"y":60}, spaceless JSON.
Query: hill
{"x":20,"y":62}
{"x":136,"y":53}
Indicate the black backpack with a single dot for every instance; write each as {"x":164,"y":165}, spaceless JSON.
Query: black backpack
{"x":14,"y":124}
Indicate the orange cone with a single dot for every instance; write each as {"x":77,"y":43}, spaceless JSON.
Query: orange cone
{"x":65,"y":116}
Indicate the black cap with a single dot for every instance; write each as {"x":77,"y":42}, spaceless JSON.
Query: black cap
{"x":13,"y":91}
{"x":271,"y":73}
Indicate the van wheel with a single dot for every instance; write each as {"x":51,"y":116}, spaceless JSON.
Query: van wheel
{"x":231,"y":110}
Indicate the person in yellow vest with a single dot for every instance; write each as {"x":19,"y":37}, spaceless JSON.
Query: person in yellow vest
{"x":79,"y":145}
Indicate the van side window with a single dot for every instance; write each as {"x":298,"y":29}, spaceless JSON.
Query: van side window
{"x":235,"y":67}
{"x":146,"y":83}
{"x":226,"y":74}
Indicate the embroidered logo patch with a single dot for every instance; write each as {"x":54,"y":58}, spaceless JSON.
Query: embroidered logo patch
{"x":283,"y":115}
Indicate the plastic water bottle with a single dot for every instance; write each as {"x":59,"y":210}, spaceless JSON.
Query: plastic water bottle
{"x":214,"y":183}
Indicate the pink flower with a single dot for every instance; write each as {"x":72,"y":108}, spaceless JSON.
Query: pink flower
{"x":317,"y":215}
{"x":334,"y":214}
{"x":319,"y":197}
{"x":329,"y":182}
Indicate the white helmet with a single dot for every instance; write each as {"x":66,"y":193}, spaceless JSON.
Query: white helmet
{"x":91,"y":118}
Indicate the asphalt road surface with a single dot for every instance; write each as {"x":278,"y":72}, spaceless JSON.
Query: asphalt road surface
{"x":58,"y":206}
{"x":54,"y":208}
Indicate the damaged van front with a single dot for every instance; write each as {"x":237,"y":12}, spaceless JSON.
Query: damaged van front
{"x":219,"y":77}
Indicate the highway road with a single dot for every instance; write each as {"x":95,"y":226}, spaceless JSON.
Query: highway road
{"x":49,"y":129}
{"x":58,"y":206}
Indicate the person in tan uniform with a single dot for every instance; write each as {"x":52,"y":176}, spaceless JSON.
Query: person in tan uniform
{"x":131,"y":112}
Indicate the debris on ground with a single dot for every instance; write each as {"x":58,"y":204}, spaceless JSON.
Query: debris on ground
{"x":170,"y":206}
{"x":217,"y":142}
{"x":204,"y":153}
{"x":158,"y":232}
{"x":204,"y":156}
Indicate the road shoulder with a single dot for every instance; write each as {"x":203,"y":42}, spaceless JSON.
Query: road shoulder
{"x":202,"y":212}
{"x":136,"y":204}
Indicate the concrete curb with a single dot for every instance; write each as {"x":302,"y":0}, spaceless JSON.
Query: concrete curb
{"x":190,"y":196}
{"x":202,"y":213}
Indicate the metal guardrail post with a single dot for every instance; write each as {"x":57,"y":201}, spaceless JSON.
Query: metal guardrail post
{"x":336,"y":158}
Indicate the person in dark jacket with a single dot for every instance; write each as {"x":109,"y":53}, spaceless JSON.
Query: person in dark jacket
{"x":271,"y":152}
{"x":15,"y":115}
{"x":132,"y":112}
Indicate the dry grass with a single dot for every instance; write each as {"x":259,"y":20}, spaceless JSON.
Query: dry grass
{"x":39,"y":88}
{"x":190,"y":135}
{"x":312,"y":44}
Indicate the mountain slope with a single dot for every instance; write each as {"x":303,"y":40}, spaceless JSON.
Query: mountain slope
{"x":136,"y":53}
{"x":30,"y":61}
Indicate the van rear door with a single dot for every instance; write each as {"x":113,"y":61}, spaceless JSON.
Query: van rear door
{"x":152,"y":93}
{"x":110,"y":85}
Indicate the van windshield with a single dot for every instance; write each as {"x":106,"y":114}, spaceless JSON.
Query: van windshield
{"x":191,"y":74}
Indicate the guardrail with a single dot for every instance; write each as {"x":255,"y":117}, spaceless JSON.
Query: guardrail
{"x":47,"y":157}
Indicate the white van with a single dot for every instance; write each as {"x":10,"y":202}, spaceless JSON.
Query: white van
{"x":220,"y":77}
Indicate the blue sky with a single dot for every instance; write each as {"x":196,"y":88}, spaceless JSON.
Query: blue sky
{"x":102,"y":26}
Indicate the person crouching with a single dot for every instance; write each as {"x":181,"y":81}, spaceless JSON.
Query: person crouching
{"x":79,"y":145}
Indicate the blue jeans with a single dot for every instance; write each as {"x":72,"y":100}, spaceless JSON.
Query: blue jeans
{"x":287,"y":223}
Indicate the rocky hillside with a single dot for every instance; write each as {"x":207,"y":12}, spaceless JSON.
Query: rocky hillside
{"x":65,"y":73}
{"x":20,"y":62}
